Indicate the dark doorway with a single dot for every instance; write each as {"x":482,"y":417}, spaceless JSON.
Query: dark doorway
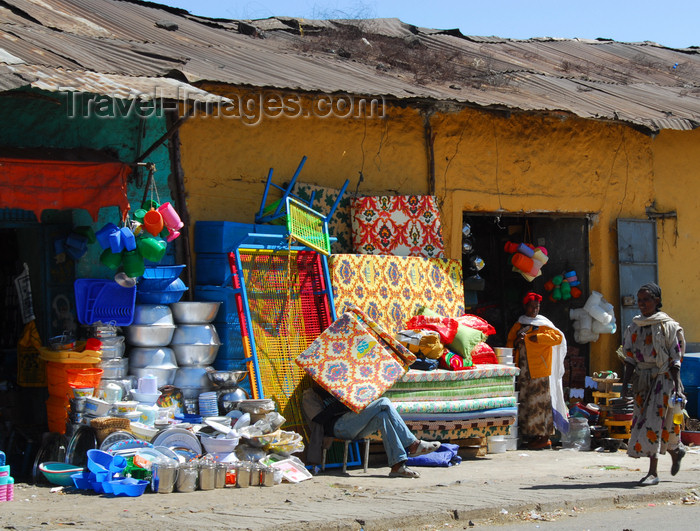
{"x":566,"y":240}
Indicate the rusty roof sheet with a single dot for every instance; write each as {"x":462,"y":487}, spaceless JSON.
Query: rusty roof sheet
{"x":107,"y":44}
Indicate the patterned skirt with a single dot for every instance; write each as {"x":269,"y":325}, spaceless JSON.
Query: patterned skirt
{"x":535,"y":409}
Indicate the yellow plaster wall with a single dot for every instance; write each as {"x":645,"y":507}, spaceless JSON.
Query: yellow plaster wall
{"x":484,"y":162}
{"x":226,"y":162}
{"x":532,"y":163}
{"x":676,"y":185}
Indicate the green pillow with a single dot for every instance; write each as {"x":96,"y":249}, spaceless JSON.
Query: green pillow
{"x":464,"y":341}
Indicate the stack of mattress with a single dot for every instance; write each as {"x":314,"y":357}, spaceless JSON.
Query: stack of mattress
{"x":448,"y":405}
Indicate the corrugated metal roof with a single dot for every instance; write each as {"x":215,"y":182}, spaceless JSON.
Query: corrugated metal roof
{"x":106,"y":44}
{"x":116,"y":86}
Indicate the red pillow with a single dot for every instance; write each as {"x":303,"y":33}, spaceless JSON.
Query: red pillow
{"x":483,"y":354}
{"x":474,"y":321}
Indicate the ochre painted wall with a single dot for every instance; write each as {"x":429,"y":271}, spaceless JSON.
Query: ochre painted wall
{"x":484,"y":162}
{"x":676,"y":168}
{"x":533,"y":163}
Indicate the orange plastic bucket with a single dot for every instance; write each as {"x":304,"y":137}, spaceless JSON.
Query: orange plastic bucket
{"x":57,"y":377}
{"x":84,"y":377}
{"x":56,"y":414}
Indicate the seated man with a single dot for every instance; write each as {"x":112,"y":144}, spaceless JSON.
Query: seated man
{"x":328,"y":418}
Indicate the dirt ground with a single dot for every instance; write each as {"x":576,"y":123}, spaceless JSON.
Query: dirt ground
{"x":477,"y":490}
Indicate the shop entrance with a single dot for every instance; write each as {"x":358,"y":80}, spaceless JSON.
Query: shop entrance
{"x":566,"y":240}
{"x":23,"y":240}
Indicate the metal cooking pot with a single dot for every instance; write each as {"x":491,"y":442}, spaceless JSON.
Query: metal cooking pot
{"x":162,"y":357}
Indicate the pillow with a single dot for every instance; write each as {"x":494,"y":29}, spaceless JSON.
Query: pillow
{"x":464,"y":341}
{"x":483,"y":354}
{"x":474,"y":321}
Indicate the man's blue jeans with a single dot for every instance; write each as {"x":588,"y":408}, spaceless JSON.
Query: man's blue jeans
{"x":381,"y":416}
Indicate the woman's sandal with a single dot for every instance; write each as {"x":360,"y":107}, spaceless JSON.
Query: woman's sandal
{"x":676,"y":466}
{"x":424,"y":447}
{"x":649,"y":480}
{"x":403,"y":472}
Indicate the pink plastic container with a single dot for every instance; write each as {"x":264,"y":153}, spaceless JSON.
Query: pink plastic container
{"x":170,"y":217}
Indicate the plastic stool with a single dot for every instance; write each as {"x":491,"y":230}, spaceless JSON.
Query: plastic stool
{"x":346,"y":445}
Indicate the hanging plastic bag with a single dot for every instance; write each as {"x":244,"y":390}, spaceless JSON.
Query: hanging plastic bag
{"x":31,"y":369}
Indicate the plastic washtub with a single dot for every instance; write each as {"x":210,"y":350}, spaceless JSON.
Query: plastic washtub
{"x":105,"y":301}
{"x":156,"y":278}
{"x":59,"y":473}
{"x":173,"y":292}
{"x":99,"y":461}
{"x":128,"y":486}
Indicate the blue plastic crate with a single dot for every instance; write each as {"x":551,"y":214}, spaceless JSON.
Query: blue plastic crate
{"x":225,"y":295}
{"x":690,"y":369}
{"x":225,"y":236}
{"x":692,"y":395}
{"x":231,"y":342}
{"x":219,"y":236}
{"x":213,"y":269}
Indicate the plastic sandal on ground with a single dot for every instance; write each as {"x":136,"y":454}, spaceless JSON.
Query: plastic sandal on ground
{"x":403,"y":472}
{"x":676,"y":466}
{"x":425,"y":447}
{"x":649,"y":480}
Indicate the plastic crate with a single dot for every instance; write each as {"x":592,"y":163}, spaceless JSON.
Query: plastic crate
{"x":219,"y":236}
{"x":231,"y":341}
{"x":213,"y":269}
{"x":226,"y":236}
{"x":225,"y":295}
{"x":690,"y":369}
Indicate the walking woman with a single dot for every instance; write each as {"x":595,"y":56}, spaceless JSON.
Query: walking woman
{"x":653,"y":348}
{"x":540,"y":349}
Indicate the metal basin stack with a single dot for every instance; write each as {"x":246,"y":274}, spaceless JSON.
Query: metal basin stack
{"x":148,"y":337}
{"x":195,"y":344}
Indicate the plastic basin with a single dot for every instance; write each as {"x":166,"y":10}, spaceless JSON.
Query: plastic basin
{"x":128,"y":486}
{"x":81,"y":480}
{"x":59,"y":473}
{"x":99,"y":461}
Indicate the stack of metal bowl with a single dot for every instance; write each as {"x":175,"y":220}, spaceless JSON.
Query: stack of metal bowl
{"x":195,"y":344}
{"x":148,"y":337}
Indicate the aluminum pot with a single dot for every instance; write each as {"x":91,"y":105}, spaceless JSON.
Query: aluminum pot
{"x":165,"y":376}
{"x":162,"y":357}
{"x":153,"y":314}
{"x":115,"y":350}
{"x":149,"y":336}
{"x":194,"y":312}
{"x":195,"y":334}
{"x":192,"y":377}
{"x":114,"y":369}
{"x":190,"y":355}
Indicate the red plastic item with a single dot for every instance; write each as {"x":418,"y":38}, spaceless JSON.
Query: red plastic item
{"x":445,"y":326}
{"x":476,"y":322}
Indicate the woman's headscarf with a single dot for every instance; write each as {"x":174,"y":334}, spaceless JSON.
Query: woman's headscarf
{"x":531,"y":297}
{"x":655,"y":291}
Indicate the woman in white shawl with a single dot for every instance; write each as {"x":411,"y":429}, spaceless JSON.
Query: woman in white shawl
{"x":540,"y":349}
{"x":653,"y":348}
